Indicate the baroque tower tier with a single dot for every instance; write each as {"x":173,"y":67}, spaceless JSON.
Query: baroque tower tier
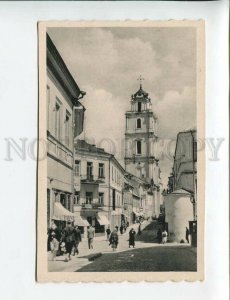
{"x":141,"y":138}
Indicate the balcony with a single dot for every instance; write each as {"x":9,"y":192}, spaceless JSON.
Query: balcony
{"x":88,"y":178}
{"x":95,"y":205}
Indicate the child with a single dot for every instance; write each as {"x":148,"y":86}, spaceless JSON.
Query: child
{"x":54,"y":246}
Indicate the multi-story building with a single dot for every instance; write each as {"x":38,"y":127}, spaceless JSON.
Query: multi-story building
{"x":140,"y":146}
{"x":181,"y":198}
{"x":64,"y":122}
{"x":185,"y":160}
{"x":98,"y":183}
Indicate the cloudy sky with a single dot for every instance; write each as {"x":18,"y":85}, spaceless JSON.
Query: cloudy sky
{"x":106,"y":63}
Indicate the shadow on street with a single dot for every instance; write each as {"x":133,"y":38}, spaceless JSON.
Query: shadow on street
{"x":152,"y":259}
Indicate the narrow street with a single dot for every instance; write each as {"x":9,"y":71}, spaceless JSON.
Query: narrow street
{"x":147,"y":255}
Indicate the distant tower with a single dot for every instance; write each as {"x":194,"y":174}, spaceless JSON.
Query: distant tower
{"x":141,"y":137}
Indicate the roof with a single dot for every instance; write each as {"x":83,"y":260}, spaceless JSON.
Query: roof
{"x":140,"y":93}
{"x":83,"y":145}
{"x":59,"y":69}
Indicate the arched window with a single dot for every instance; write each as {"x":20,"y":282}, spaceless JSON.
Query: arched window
{"x":138,"y":123}
{"x":138,"y":147}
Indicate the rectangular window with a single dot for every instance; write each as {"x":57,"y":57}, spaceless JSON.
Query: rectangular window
{"x":57,"y":121}
{"x":114,"y":199}
{"x":112,"y":174}
{"x":139,"y":106}
{"x":101,"y":171}
{"x":89,"y":170}
{"x":47,"y":105}
{"x":89,"y":197}
{"x":63,"y":199}
{"x":139,"y":147}
{"x":101,"y":198}
{"x":77,"y":198}
{"x":77,"y":168}
{"x":67,"y":128}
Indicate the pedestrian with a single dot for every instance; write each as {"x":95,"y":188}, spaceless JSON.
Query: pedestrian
{"x":187,"y":233}
{"x":77,"y":240}
{"x":53,"y":229}
{"x":159,"y":236}
{"x":113,"y":240}
{"x":54,"y":245}
{"x":121,"y":229}
{"x":90,"y":236}
{"x":68,"y":237}
{"x":139,"y":229}
{"x":132,"y":238}
{"x":164,"y":236}
{"x":108,"y":231}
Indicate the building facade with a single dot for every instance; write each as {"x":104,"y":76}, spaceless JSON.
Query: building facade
{"x":181,"y":196}
{"x":140,"y":146}
{"x":98,"y":184}
{"x":184,"y":172}
{"x":63,"y":124}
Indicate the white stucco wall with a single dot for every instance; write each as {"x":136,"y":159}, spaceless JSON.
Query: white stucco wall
{"x":178,"y":211}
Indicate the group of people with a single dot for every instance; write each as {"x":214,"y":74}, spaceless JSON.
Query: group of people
{"x":113,"y":238}
{"x":66,"y":242}
{"x":162,"y":236}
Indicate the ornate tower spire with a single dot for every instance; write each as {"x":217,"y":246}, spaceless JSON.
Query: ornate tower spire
{"x":141,"y":79}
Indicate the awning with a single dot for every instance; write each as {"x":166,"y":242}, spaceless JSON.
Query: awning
{"x":102,"y":219}
{"x":61,"y":213}
{"x":80,"y":220}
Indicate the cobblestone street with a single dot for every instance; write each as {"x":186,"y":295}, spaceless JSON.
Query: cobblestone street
{"x":147,"y":255}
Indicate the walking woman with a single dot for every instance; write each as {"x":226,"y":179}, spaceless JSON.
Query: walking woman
{"x":113,"y":240}
{"x":132,"y":233}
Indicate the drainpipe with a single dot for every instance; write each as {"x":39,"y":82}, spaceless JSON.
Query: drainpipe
{"x":109,"y":195}
{"x":194,"y":182}
{"x":80,"y":96}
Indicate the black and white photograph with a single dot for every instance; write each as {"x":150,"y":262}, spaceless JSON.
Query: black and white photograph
{"x":123,"y":180}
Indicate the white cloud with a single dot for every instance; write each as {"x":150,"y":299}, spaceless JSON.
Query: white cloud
{"x":106,"y":63}
{"x":176,"y":112}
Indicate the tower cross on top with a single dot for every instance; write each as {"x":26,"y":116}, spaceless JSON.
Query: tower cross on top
{"x":140,"y":79}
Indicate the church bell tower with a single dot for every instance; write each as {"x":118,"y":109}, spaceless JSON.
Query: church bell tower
{"x":141,"y":137}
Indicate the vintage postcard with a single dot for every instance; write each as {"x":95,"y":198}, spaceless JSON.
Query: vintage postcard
{"x":121,"y":169}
